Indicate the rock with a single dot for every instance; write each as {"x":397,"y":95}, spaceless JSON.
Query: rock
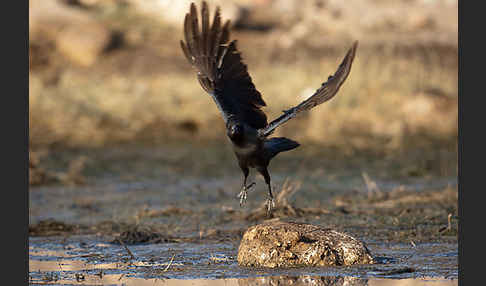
{"x":48,"y":17}
{"x":285,"y":244}
{"x":76,"y":34}
{"x":83,"y":44}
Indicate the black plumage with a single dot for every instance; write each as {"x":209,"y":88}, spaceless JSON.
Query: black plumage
{"x":224,"y":76}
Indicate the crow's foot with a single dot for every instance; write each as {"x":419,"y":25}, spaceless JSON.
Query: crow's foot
{"x":270,"y":203}
{"x":244,"y":193}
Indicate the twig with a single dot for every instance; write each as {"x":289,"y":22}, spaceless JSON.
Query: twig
{"x":413,"y":243}
{"x":170,"y":263}
{"x":371,"y":185}
{"x":449,"y":225}
{"x":126,"y":248}
{"x":449,"y":217}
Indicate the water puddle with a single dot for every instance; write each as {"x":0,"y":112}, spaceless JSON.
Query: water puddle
{"x":90,"y":260}
{"x":302,"y":280}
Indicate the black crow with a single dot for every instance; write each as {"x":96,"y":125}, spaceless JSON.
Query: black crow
{"x":224,"y":76}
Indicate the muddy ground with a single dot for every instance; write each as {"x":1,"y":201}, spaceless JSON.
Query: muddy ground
{"x":129,"y":210}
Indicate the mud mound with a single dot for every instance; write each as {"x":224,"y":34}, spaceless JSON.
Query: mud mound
{"x":52,"y":227}
{"x":142,"y":234}
{"x":285,"y":244}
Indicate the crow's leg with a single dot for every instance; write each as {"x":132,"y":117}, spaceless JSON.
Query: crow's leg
{"x":270,"y":202}
{"x":244,"y":188}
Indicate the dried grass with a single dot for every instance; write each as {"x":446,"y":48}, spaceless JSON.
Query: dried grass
{"x":283,"y":208}
{"x":381,"y":102}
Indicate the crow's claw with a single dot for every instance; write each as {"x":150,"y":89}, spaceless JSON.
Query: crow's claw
{"x":244,"y":193}
{"x":270,"y":203}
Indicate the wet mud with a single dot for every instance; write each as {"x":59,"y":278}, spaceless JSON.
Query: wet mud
{"x":88,"y":259}
{"x":143,"y":221}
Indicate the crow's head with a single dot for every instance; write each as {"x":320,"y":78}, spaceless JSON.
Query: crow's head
{"x":235,"y":131}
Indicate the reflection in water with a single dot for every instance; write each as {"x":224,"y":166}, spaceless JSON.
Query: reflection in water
{"x":61,"y":272}
{"x":304,"y":281}
{"x":412,"y":282}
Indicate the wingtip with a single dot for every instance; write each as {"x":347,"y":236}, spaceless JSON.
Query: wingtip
{"x":193,"y":10}
{"x":355,"y":46}
{"x":227,"y":24}
{"x":204,"y":5}
{"x":352,"y":51}
{"x":205,"y":11}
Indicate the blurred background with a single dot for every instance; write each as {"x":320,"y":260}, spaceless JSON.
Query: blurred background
{"x":112,"y":100}
{"x":106,"y":72}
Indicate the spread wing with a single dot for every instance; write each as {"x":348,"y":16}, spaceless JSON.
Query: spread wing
{"x":327,"y":91}
{"x":220,"y":69}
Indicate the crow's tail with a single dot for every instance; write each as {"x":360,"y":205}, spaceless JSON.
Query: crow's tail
{"x":275,"y":145}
